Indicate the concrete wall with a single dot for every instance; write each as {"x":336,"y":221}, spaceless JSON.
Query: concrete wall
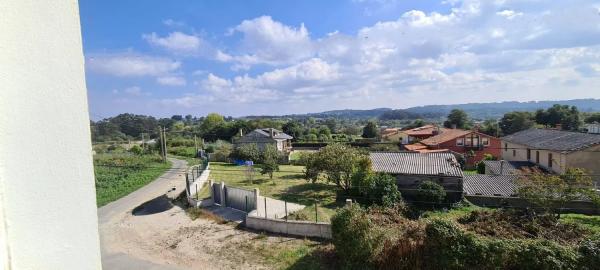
{"x":579,"y":207}
{"x":45,"y":140}
{"x":291,"y":227}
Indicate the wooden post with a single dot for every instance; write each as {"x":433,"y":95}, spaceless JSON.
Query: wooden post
{"x":265,"y":207}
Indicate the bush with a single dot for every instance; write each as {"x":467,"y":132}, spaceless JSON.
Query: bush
{"x":480,"y":167}
{"x":354,"y":238}
{"x":589,"y":250}
{"x":136,"y":149}
{"x":381,"y":189}
{"x":544,"y":254}
{"x":430,"y":194}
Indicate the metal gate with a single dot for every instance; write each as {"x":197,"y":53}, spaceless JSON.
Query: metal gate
{"x":216,"y":193}
{"x":240,"y":199}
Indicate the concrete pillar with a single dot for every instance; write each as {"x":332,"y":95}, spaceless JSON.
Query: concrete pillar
{"x":42,"y":77}
{"x":222,"y":190}
{"x":256,"y":195}
{"x":348,"y":202}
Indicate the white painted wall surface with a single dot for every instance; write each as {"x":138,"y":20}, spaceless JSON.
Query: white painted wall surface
{"x":46,"y":175}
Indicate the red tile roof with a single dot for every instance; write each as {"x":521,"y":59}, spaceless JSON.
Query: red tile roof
{"x":444,"y":136}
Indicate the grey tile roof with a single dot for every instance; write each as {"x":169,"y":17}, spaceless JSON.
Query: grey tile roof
{"x":511,"y":167}
{"x":278,"y":134}
{"x":555,"y":140}
{"x":416,"y":163}
{"x":490,"y":185}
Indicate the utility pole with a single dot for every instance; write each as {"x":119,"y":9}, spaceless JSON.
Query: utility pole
{"x":165,"y":142}
{"x":196,"y":145}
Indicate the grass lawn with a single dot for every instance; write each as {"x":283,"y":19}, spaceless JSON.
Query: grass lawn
{"x":120,"y":174}
{"x":590,"y":222}
{"x":287,"y":184}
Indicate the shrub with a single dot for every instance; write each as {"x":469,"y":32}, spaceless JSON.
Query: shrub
{"x":544,"y":254}
{"x":480,"y":167}
{"x":430,"y":194}
{"x":589,"y":249}
{"x":382,"y":190}
{"x":354,"y":237}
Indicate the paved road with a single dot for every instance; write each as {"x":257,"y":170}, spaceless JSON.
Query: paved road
{"x":171,"y":184}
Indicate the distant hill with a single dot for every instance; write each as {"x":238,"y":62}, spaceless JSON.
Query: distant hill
{"x":475,"y":110}
{"x":498,"y":109}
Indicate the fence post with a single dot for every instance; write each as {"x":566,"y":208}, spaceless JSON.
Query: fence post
{"x":222,"y":191}
{"x":256,"y":196}
{"x":316,"y":213}
{"x":197,"y":193}
{"x":246,"y":204}
{"x":210,"y":187}
{"x":286,"y":214}
{"x":265,"y":207}
{"x":348,"y":202}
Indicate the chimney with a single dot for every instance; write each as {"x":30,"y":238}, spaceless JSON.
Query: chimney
{"x":436,"y":130}
{"x":241,"y":132}
{"x":272,"y":132}
{"x":502,"y":167}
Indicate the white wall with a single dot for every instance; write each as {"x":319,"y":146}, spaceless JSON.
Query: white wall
{"x":558,"y":163}
{"x":46,"y":175}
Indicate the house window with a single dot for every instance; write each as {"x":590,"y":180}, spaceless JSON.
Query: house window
{"x":485,"y":141}
{"x":537,"y":157}
{"x":505,"y":147}
{"x":549,"y":160}
{"x":528,"y":154}
{"x":468,"y":141}
{"x":514,"y":153}
{"x":460,"y":142}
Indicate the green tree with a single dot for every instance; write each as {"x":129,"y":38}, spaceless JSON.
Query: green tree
{"x":592,"y":118}
{"x":370,"y":130}
{"x":551,"y":192}
{"x":210,"y":124}
{"x":491,"y":127}
{"x":248,"y":151}
{"x":383,"y":189}
{"x":430,"y":193}
{"x":270,"y":161}
{"x":564,"y":115}
{"x":339,"y":163}
{"x":457,"y":118}
{"x":516,"y":121}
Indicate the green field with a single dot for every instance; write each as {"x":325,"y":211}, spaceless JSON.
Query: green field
{"x":287,"y":184}
{"x":120,"y":174}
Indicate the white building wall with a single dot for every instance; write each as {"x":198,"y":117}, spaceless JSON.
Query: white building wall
{"x":47,"y":195}
{"x":520,"y":154}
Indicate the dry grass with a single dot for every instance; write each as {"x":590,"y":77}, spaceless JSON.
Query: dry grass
{"x":195,"y":213}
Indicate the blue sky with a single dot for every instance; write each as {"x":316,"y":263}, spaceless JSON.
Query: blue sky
{"x":281,"y":57}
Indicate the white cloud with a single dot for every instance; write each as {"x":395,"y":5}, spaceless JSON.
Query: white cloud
{"x":176,"y":42}
{"x":265,"y":41}
{"x":134,"y":91}
{"x":171,"y":81}
{"x":173,"y":23}
{"x":509,"y":14}
{"x":131,"y":65}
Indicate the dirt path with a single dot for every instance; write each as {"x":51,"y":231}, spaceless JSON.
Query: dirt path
{"x":161,"y":236}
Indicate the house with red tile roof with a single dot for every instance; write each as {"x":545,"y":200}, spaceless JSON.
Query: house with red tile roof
{"x":470,"y":143}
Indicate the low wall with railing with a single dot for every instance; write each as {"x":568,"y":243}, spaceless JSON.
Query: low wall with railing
{"x":288,"y":227}
{"x":195,"y":177}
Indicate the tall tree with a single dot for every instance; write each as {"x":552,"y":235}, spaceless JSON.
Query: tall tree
{"x":457,"y":118}
{"x":270,"y":159}
{"x":564,"y":115}
{"x":370,"y":130}
{"x":491,"y":127}
{"x":516,"y":121}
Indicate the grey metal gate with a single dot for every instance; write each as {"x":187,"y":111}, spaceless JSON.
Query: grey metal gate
{"x":240,"y":199}
{"x":216,"y":193}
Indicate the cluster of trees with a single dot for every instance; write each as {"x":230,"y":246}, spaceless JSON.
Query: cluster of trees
{"x":268,"y":157}
{"x":568,"y":117}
